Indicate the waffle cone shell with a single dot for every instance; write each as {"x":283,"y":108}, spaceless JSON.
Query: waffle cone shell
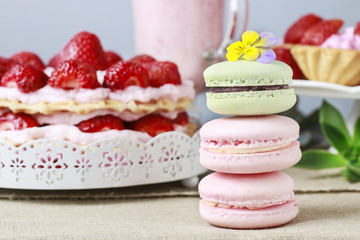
{"x":340,"y":66}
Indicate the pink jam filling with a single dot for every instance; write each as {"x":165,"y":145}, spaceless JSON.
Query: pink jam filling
{"x":255,"y":206}
{"x":73,"y":119}
{"x":237,"y":144}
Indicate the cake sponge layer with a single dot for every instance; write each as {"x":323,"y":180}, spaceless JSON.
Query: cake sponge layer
{"x":85,"y":108}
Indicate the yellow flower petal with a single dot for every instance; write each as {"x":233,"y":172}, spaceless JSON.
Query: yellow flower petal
{"x":236,"y":46}
{"x":233,"y":56}
{"x":251,"y":54}
{"x":235,"y":50}
{"x":249,"y":37}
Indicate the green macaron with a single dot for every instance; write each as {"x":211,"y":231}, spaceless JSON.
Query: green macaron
{"x":249,"y":88}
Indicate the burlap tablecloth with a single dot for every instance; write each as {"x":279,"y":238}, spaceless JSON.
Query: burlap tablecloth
{"x":329,"y":209}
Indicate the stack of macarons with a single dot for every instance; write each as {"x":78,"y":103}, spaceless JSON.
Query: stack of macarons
{"x":248,"y":150}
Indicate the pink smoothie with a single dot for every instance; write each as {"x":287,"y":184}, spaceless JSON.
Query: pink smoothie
{"x":179,"y":31}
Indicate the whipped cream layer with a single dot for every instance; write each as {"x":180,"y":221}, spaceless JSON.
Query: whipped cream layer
{"x":133,"y":93}
{"x":73,"y":134}
{"x":345,"y":40}
{"x":73,"y":118}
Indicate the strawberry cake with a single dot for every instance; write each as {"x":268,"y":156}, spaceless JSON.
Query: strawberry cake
{"x":86,"y":94}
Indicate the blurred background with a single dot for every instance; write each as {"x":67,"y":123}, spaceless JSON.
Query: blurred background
{"x":44,"y":27}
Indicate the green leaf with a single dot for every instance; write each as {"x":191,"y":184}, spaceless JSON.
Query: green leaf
{"x":331,"y":116}
{"x":350,"y":175}
{"x":320,"y":159}
{"x":354,"y":169}
{"x":336,"y":138}
{"x":356,"y":138}
{"x":351,"y":154}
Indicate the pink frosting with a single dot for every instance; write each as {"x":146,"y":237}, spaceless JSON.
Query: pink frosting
{"x":73,"y":119}
{"x":345,"y":40}
{"x":49,"y":94}
{"x":73,"y":134}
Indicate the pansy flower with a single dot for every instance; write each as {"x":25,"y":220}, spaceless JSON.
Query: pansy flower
{"x":253,"y":47}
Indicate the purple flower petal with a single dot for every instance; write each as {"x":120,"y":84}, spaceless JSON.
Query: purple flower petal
{"x":267,"y":55}
{"x":267,"y":39}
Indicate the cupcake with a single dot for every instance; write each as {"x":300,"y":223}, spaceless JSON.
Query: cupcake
{"x":336,"y":60}
{"x":322,"y":53}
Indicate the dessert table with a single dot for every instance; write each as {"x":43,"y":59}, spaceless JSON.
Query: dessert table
{"x":329,"y":208}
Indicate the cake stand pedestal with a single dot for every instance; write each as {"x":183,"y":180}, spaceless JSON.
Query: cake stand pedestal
{"x":330,"y":90}
{"x":50,"y":164}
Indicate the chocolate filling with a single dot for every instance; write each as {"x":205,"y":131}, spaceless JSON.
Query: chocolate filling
{"x":247,"y":88}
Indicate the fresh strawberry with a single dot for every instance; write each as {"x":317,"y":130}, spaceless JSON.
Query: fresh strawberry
{"x":71,"y":74}
{"x":16,"y":121}
{"x":181,"y":119}
{"x":2,"y":71}
{"x":318,"y":33}
{"x":124,"y":74}
{"x":284,"y":55}
{"x":112,"y":57}
{"x":152,"y":124}
{"x":101,"y":123}
{"x":84,"y":47}
{"x":29,"y":58}
{"x":24,"y":77}
{"x":297,"y":30}
{"x":5,"y":64}
{"x":357,"y":28}
{"x":162,"y":73}
{"x":140,"y":59}
{"x":55,"y":60}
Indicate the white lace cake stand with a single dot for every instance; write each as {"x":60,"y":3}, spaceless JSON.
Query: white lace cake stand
{"x":330,"y":90}
{"x":48,"y":164}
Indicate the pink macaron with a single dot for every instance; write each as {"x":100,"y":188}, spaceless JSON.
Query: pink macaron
{"x":248,"y":201}
{"x":252,"y":144}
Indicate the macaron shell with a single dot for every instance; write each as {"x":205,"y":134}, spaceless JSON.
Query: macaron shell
{"x":252,"y":163}
{"x":247,"y":190}
{"x":248,"y":132}
{"x":249,"y":219}
{"x":251,"y":102}
{"x":247,"y":73}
